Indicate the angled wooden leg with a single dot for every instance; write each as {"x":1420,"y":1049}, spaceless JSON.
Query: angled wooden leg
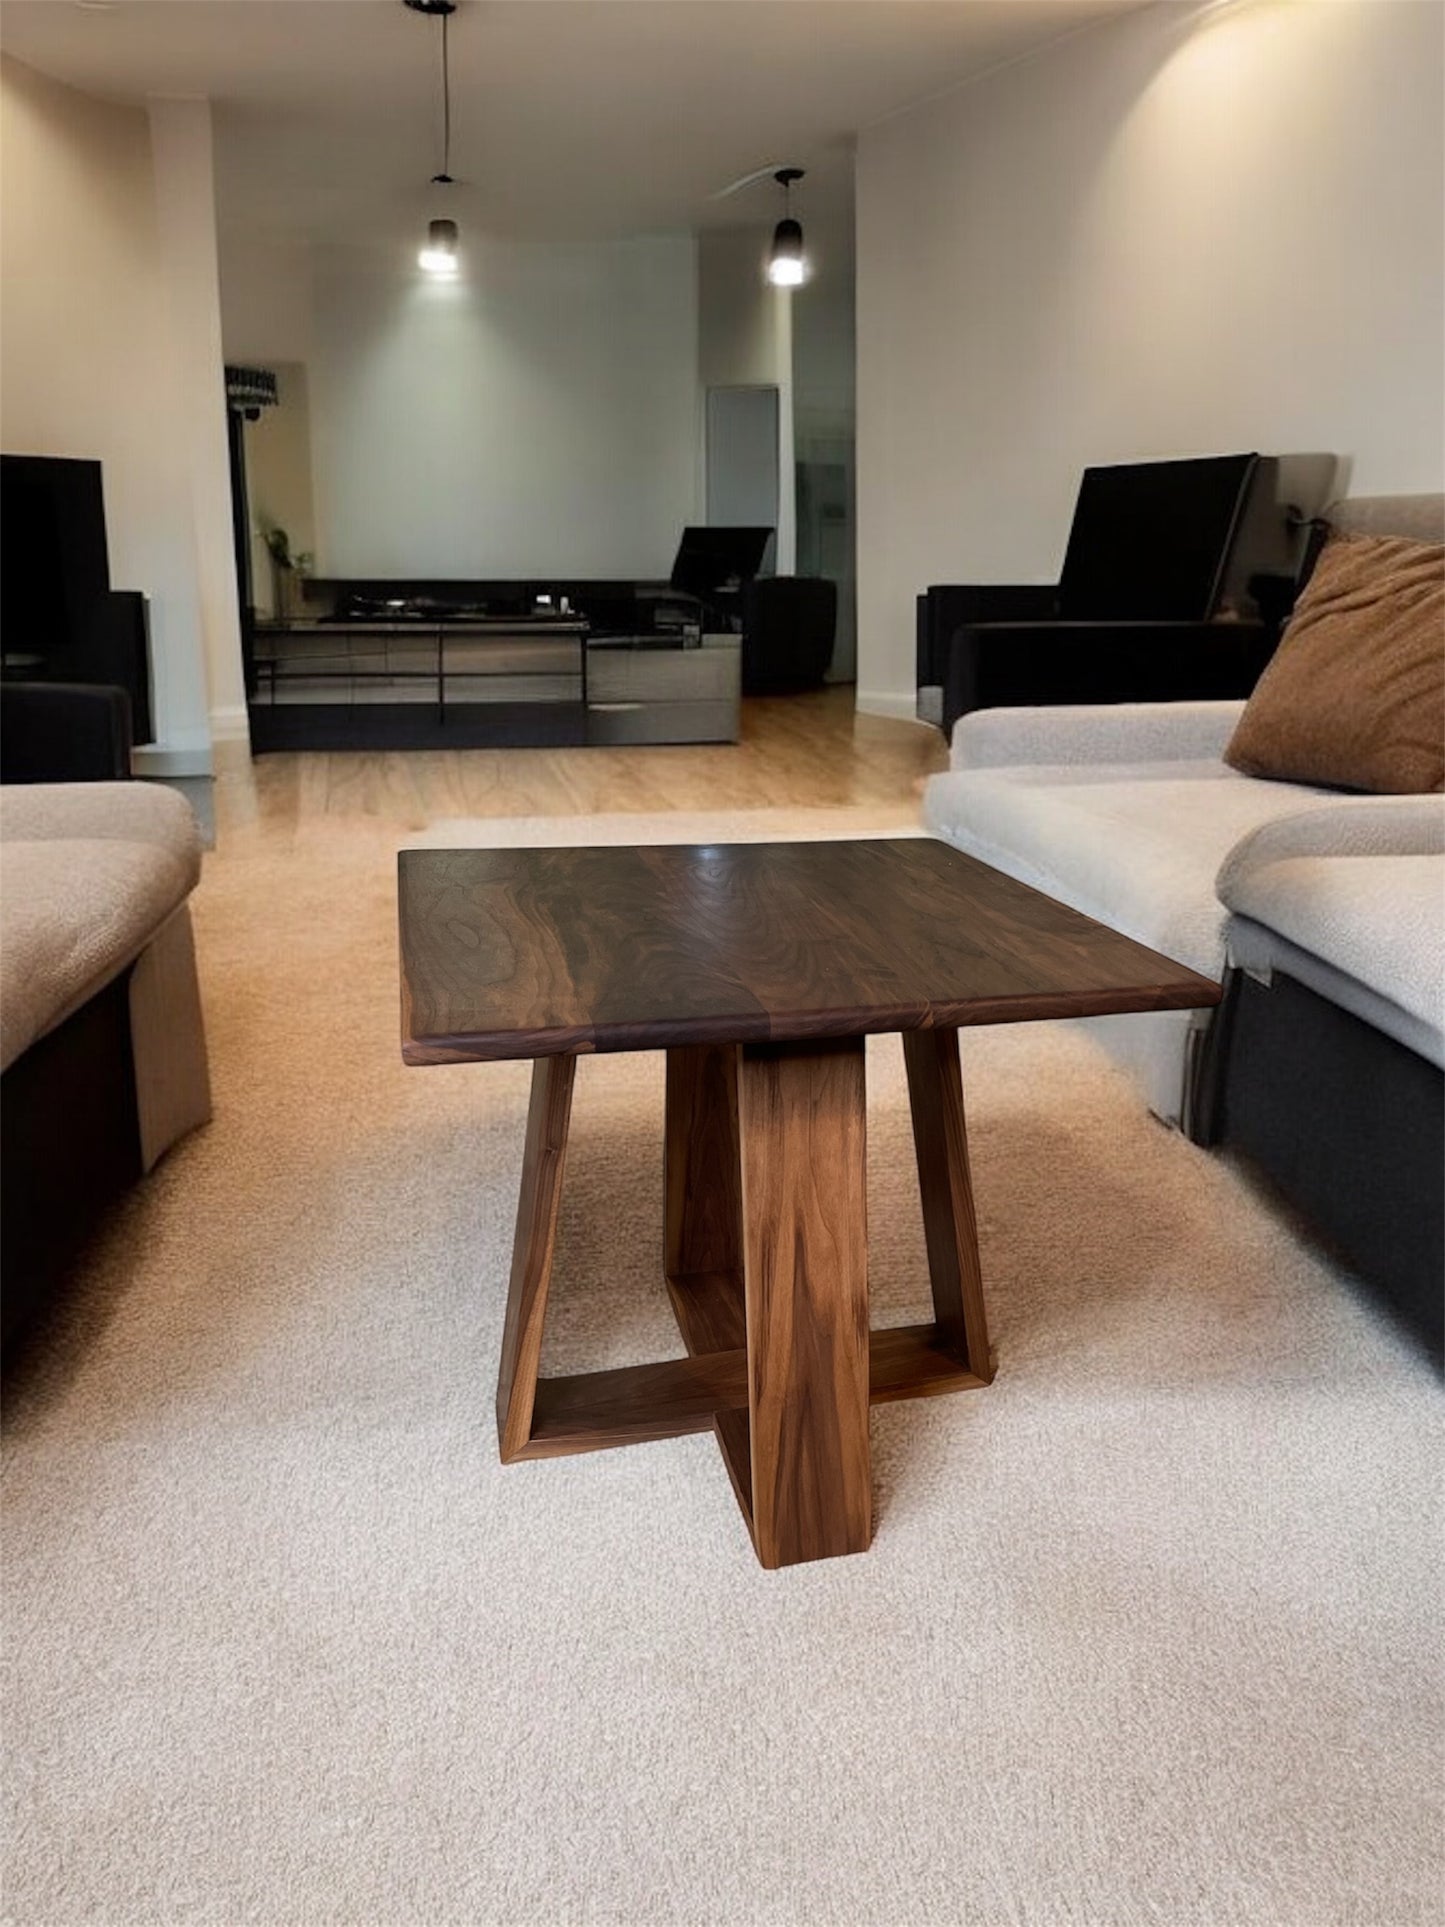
{"x":703,"y":1219}
{"x":542,"y":1160}
{"x":805,"y":1232}
{"x":940,"y":1138}
{"x":703,"y":1206}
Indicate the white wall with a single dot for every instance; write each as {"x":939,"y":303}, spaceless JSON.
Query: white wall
{"x":745,"y":340}
{"x":183,"y":160}
{"x":825,"y":408}
{"x":1188,"y":231}
{"x":88,"y":364}
{"x":266,"y":295}
{"x":537,"y":416}
{"x":543,"y":415}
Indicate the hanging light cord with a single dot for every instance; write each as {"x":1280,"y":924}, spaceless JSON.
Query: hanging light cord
{"x":446,"y":174}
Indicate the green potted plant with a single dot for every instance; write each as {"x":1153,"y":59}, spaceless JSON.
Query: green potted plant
{"x":287,"y":570}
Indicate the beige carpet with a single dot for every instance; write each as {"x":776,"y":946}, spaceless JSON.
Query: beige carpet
{"x":1146,"y":1634}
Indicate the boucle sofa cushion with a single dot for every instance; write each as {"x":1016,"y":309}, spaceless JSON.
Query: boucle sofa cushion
{"x":94,"y":812}
{"x":89,"y":872}
{"x":1135,"y":845}
{"x":1368,"y":932}
{"x":1355,"y":695}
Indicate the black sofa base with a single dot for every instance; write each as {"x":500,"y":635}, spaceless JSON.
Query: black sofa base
{"x":69,"y":1147}
{"x":1350,"y":1127}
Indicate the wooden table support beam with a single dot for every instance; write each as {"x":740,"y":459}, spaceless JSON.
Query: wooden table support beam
{"x":802,"y":1119}
{"x":950,"y":1227}
{"x":765,"y":1248}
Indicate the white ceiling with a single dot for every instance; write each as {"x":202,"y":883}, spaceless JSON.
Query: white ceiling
{"x":571,"y":118}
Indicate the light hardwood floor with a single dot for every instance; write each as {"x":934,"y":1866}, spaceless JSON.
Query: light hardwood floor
{"x":808,"y":751}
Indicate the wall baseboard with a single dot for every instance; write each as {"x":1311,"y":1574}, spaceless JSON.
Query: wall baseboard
{"x":230,"y":724}
{"x":889,"y":702}
{"x":170,"y":759}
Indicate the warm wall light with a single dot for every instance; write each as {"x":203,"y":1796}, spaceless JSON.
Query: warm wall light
{"x":439,"y":256}
{"x":787,"y":264}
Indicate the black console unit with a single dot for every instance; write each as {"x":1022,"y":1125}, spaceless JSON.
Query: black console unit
{"x":418,"y":663}
{"x":426,"y":664}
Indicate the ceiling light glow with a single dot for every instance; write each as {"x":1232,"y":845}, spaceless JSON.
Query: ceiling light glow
{"x":787,"y":263}
{"x":439,"y":256}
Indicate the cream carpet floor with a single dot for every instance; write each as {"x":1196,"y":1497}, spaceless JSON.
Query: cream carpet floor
{"x":1147,"y":1633}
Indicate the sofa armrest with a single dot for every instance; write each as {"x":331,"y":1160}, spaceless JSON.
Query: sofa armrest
{"x":991,"y":665}
{"x":944,"y":606}
{"x":1089,"y":733}
{"x":64,"y":733}
{"x":131,"y":812}
{"x":959,"y":602}
{"x":1349,"y":826}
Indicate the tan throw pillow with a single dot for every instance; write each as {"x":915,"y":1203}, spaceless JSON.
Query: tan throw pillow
{"x":1355,"y":694}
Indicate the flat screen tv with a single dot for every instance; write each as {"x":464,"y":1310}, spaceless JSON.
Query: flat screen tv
{"x":1151,"y":540}
{"x":712,"y":562}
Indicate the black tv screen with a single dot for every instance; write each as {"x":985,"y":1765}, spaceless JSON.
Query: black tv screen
{"x":710,"y":561}
{"x":1150,"y":539}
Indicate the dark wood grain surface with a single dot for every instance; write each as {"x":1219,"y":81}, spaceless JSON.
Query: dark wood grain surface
{"x":543,"y":1156}
{"x":786,"y":1400}
{"x":950,"y":1223}
{"x":802,"y":1118}
{"x":528,"y":953}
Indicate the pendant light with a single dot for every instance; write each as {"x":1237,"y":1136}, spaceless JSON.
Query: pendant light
{"x":440,"y":257}
{"x":787,"y":267}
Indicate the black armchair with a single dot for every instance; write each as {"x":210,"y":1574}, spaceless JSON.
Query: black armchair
{"x":788,"y":628}
{"x":998,"y":665}
{"x":64,"y":733}
{"x":1138,"y":613}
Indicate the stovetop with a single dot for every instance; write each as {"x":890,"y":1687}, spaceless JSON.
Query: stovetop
{"x":362,"y":608}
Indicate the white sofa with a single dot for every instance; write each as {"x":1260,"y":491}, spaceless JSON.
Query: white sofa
{"x":1127,"y":812}
{"x":102,"y":1041}
{"x":1322,"y":910}
{"x":1326,"y":1068}
{"x":1354,"y":909}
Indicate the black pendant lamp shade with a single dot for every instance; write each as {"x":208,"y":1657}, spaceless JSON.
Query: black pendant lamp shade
{"x":787,"y":265}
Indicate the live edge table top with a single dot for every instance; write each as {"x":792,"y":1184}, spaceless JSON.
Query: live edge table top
{"x":536,"y":953}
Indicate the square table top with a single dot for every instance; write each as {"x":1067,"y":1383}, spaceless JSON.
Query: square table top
{"x":535,"y":953}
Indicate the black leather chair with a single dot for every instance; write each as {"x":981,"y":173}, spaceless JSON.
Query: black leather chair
{"x":1138,"y":612}
{"x":64,"y":733}
{"x":788,"y":628}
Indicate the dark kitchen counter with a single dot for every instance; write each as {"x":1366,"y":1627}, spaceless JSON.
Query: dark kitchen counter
{"x":475,"y":664}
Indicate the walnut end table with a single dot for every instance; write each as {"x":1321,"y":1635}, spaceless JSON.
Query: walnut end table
{"x":759,"y":969}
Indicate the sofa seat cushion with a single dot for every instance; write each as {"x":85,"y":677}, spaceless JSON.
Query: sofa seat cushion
{"x":1367,"y":932}
{"x":1137,"y":845}
{"x":89,"y":872}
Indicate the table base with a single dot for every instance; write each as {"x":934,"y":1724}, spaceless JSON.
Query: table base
{"x":766,"y":1263}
